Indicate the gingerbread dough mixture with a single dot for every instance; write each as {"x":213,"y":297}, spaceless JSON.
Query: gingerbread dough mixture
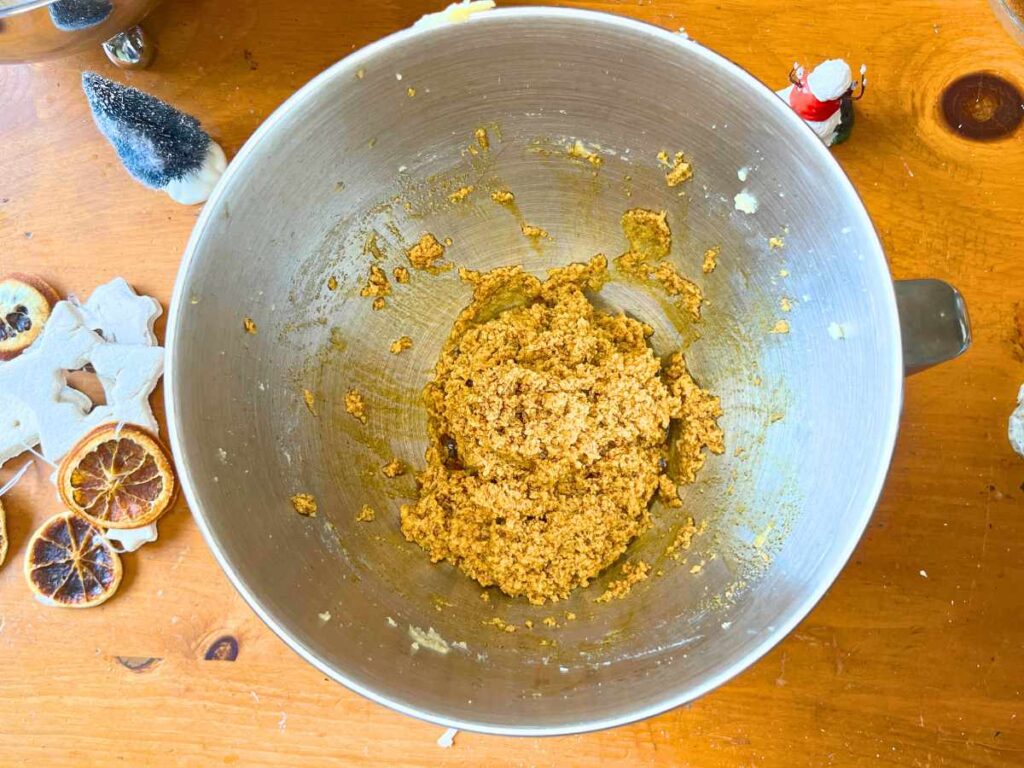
{"x":549,"y":434}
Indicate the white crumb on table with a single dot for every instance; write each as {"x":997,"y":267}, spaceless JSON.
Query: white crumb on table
{"x":447,"y":738}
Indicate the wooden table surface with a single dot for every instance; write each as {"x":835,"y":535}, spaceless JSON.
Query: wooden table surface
{"x":913,"y":658}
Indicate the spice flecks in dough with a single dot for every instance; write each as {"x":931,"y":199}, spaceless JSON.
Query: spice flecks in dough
{"x":548,"y":426}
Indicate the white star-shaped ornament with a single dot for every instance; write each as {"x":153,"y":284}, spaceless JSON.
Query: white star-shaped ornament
{"x":37,"y":405}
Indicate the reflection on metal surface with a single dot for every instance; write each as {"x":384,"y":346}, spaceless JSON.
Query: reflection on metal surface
{"x":933,"y":323}
{"x":131,"y":49}
{"x":31,"y":30}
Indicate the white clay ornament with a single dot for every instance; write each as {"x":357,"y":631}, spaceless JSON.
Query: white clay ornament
{"x":37,"y":406}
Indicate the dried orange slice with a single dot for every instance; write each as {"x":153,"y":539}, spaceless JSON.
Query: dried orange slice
{"x":69,"y":563}
{"x":25,"y":304}
{"x":117,"y":479}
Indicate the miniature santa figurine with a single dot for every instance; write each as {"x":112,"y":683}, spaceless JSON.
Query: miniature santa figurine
{"x":824,"y":98}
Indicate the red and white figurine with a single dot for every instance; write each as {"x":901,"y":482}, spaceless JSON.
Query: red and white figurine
{"x":824,"y":98}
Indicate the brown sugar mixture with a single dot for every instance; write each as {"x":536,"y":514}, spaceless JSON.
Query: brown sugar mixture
{"x":549,"y":425}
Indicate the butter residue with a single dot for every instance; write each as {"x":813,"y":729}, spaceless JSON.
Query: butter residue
{"x":456,"y":13}
{"x":429,"y":639}
{"x":745,"y":202}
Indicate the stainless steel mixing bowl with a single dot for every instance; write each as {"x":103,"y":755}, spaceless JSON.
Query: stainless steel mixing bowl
{"x":810,"y":416}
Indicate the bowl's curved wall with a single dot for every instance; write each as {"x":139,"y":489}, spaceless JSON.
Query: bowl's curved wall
{"x":295,"y":207}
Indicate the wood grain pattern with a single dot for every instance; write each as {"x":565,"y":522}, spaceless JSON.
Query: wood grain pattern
{"x":892,"y":667}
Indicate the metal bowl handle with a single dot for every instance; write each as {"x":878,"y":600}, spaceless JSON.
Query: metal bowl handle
{"x":933,"y":322}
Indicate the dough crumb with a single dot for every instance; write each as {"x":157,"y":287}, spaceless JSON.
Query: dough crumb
{"x":650,"y":238}
{"x":632,"y":573}
{"x":354,"y":405}
{"x":647,"y":232}
{"x":249,"y":325}
{"x":377,"y":285}
{"x":780,"y":326}
{"x":399,"y":345}
{"x":482,"y":138}
{"x":332,"y":283}
{"x":710,"y":260}
{"x":775,"y":243}
{"x":785,"y":304}
{"x":304,"y":504}
{"x":532,"y":232}
{"x":503,"y":197}
{"x":371,"y":247}
{"x":310,"y":399}
{"x":401,"y":274}
{"x":579,"y":151}
{"x":393,"y":468}
{"x":679,"y":172}
{"x":683,"y":539}
{"x":690,"y":296}
{"x":501,"y":624}
{"x":426,"y":253}
{"x":460,"y":194}
{"x":366,"y":514}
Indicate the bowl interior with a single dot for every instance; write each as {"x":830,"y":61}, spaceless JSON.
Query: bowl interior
{"x":372,"y":149}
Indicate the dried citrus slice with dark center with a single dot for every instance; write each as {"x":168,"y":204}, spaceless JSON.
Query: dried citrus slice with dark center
{"x":70,"y":564}
{"x":117,"y":479}
{"x":25,"y":304}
